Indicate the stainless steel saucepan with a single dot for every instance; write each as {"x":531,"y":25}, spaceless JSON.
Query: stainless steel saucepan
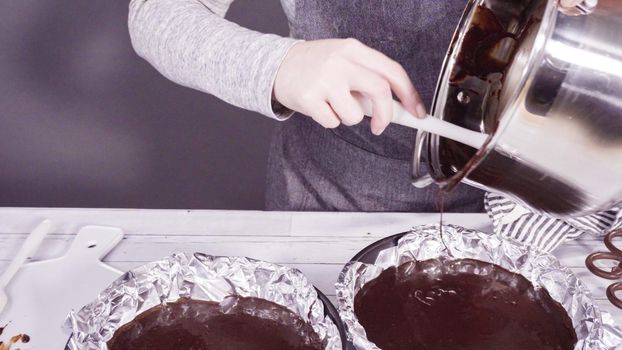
{"x":547,"y":87}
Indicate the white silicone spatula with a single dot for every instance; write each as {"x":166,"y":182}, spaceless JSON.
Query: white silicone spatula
{"x":429,"y":124}
{"x":30,"y":246}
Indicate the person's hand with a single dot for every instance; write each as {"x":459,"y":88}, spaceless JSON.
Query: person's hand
{"x":317,"y":78}
{"x":568,"y":6}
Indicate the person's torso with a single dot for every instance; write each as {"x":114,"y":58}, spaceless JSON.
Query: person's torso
{"x":349,"y":168}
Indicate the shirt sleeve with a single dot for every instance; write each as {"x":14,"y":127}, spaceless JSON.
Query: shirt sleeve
{"x":191,"y":43}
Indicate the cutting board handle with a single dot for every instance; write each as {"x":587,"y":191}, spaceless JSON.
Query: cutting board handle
{"x":72,"y":281}
{"x":94,"y":242}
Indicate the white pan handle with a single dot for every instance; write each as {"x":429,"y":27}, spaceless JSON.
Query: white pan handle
{"x":430,"y":124}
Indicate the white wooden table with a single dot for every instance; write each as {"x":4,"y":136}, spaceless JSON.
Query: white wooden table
{"x":316,"y":243}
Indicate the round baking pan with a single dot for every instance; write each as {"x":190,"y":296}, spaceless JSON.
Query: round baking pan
{"x":368,"y":256}
{"x":329,"y":310}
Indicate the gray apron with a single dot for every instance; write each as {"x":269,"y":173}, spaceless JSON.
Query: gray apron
{"x":350,"y":169}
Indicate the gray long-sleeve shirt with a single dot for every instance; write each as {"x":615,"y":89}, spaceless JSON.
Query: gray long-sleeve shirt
{"x":191,"y":43}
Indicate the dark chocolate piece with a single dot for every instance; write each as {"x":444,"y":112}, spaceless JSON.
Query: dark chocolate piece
{"x":237,"y":323}
{"x":443,"y":304}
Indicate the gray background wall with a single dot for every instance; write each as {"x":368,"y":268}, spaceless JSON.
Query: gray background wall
{"x":84,"y":122}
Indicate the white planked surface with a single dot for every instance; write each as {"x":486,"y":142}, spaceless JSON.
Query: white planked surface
{"x":316,"y":243}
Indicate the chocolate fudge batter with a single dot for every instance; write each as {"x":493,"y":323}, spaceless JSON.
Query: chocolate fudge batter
{"x":443,"y":304}
{"x":237,"y":323}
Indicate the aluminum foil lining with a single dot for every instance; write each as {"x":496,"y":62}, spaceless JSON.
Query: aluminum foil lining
{"x":200,"y":277}
{"x":425,"y":242}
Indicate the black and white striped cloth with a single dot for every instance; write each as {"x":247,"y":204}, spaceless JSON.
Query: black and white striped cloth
{"x":513,"y":220}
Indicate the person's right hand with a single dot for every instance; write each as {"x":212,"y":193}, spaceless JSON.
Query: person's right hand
{"x":569,"y":6}
{"x":317,"y":78}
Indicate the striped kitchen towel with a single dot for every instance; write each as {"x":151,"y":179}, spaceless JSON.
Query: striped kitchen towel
{"x":513,"y":220}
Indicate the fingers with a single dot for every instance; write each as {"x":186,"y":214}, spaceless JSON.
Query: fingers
{"x":393,"y":72}
{"x":317,"y":78}
{"x":347,"y":109}
{"x":378,"y":90}
{"x":570,"y":7}
{"x":383,"y":112}
{"x":324,"y":115}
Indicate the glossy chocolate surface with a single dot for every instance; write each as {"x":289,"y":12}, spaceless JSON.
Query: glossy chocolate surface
{"x":477,"y":85}
{"x":237,"y":323}
{"x":442,"y":304}
{"x":487,"y":47}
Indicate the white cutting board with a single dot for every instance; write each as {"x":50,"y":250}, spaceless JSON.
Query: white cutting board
{"x":44,"y":292}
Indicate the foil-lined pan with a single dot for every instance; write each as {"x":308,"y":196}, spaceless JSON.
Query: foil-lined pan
{"x":201,"y":277}
{"x":427,"y":242}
